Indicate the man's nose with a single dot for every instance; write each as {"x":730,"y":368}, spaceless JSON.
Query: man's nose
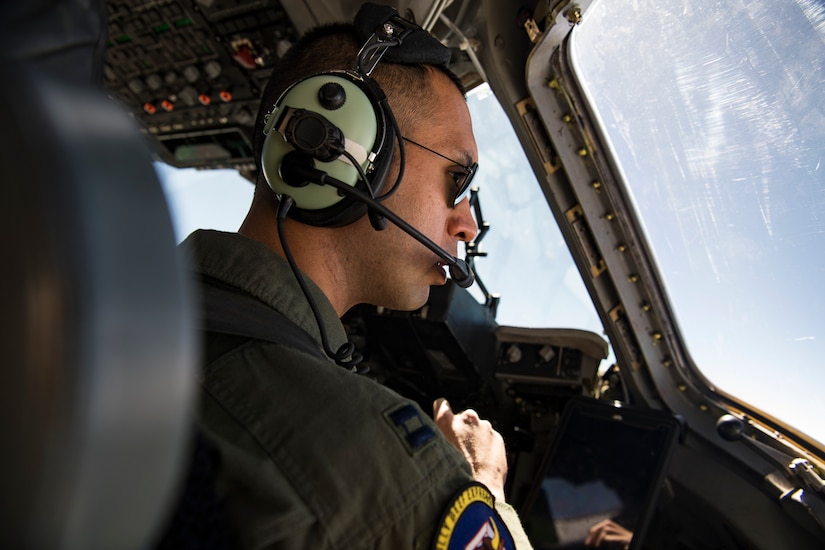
{"x":462,"y":223}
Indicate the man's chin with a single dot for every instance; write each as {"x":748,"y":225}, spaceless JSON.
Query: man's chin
{"x":411,"y":301}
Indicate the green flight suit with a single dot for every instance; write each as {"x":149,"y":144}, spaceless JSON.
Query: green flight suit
{"x":311,"y":455}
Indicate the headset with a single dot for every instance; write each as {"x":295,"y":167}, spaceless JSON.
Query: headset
{"x":330,"y":139}
{"x":343,"y":122}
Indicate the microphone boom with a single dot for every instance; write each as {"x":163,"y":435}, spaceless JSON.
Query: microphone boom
{"x":298,"y":168}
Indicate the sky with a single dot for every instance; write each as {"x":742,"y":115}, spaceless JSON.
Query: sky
{"x":719,"y":127}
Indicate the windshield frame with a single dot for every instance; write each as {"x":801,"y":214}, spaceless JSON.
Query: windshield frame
{"x":633,"y":303}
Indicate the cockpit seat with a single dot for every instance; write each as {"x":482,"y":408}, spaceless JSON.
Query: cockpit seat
{"x":99,"y":346}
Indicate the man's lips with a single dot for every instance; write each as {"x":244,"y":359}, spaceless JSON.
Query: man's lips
{"x":439,"y":266}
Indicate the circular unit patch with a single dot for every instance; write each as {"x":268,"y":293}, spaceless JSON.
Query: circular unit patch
{"x":471,"y":522}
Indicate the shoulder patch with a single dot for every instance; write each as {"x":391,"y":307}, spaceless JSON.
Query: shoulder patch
{"x":471,"y":522}
{"x":408,"y":425}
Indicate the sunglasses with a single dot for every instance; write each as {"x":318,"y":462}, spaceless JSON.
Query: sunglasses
{"x":461,"y":178}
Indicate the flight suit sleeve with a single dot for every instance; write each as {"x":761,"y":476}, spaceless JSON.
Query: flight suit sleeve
{"x":511,"y":520}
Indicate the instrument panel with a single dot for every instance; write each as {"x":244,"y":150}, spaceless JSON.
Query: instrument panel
{"x":191,"y":73}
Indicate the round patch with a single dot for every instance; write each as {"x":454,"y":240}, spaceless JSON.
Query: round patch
{"x":471,"y":522}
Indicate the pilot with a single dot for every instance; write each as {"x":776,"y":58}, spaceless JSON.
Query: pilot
{"x":309,"y":454}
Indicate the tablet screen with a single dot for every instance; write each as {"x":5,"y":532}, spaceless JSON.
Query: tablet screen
{"x":600,"y":477}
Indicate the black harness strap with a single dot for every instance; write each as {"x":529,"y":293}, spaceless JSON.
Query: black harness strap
{"x":226,"y":310}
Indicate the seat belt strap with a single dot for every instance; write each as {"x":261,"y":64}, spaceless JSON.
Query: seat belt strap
{"x":227,"y":310}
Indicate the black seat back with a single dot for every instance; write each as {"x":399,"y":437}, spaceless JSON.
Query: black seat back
{"x":99,"y":345}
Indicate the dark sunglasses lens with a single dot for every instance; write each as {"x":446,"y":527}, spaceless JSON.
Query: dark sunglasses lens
{"x":464,"y":188}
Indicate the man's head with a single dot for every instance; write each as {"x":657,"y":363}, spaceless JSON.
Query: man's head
{"x":389,"y":268}
{"x":334,"y":48}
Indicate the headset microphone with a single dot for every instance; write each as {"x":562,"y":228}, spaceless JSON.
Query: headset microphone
{"x":297,"y":169}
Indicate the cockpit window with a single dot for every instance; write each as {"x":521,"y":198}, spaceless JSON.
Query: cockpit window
{"x":205,"y":199}
{"x":716,"y":113}
{"x":528,"y":262}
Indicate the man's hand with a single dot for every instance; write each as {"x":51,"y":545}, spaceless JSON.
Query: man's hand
{"x":606,"y":533}
{"x":478,"y":441}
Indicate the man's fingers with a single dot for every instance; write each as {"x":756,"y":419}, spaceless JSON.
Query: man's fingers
{"x":442,"y":411}
{"x":444,"y":418}
{"x":471,"y":417}
{"x":443,"y":415}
